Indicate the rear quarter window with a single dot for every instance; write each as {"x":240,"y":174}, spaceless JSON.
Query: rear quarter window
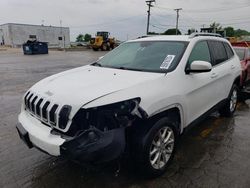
{"x":218,"y":52}
{"x":229,"y":50}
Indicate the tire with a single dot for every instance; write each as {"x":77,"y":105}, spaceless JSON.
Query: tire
{"x":112,"y":46}
{"x":108,"y":46}
{"x":104,"y":47}
{"x":155,"y":153}
{"x":95,"y":49}
{"x":229,"y":108}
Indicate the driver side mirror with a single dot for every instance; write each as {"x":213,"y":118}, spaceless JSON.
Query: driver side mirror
{"x":199,"y":67}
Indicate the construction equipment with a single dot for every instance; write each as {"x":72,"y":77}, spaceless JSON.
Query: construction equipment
{"x":102,"y":41}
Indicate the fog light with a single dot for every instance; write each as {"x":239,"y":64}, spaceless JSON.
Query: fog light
{"x":92,"y":136}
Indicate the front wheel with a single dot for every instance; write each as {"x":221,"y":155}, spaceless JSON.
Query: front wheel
{"x":229,"y":108}
{"x":104,"y":47}
{"x":158,"y":147}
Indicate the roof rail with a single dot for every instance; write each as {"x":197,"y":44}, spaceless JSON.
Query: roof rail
{"x":204,"y":34}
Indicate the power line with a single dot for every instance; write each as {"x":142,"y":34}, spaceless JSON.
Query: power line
{"x":157,"y":26}
{"x":234,"y":23}
{"x":220,"y":19}
{"x":107,"y":23}
{"x":158,"y":23}
{"x":185,"y":12}
{"x":216,"y":10}
{"x":209,"y":10}
{"x":161,"y":15}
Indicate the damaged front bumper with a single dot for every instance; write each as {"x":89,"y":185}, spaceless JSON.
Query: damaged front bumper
{"x":91,"y":145}
{"x":95,"y":146}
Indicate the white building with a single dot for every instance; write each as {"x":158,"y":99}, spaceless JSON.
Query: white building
{"x":15,"y":35}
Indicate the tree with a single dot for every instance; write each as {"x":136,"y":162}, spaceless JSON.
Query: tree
{"x":240,"y":32}
{"x":229,"y":31}
{"x":192,"y":30}
{"x":216,"y":26}
{"x":80,"y":38}
{"x":87,"y":37}
{"x":172,"y":32}
{"x":153,"y":33}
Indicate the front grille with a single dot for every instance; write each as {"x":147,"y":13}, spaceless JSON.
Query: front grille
{"x":44,"y":110}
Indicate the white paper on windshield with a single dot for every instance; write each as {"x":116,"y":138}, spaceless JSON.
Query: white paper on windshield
{"x":167,"y":62}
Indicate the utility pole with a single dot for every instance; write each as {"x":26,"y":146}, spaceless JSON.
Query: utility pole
{"x":62,"y":35}
{"x":177,"y":19}
{"x":149,"y":3}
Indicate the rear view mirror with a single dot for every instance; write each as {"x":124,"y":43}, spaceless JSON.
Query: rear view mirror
{"x":199,"y":67}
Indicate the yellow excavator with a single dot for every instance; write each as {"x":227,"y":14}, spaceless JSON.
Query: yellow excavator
{"x":102,"y":41}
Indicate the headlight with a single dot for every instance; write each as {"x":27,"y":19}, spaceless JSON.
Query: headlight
{"x":108,"y":117}
{"x":114,"y":115}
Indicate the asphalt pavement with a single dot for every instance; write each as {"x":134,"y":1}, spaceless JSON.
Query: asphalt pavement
{"x":216,"y":153}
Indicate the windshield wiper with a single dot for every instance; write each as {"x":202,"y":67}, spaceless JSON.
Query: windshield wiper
{"x":126,"y":68}
{"x":96,"y":64}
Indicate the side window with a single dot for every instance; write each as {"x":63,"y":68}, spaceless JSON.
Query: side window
{"x":228,"y":50}
{"x":200,"y":52}
{"x":218,"y":52}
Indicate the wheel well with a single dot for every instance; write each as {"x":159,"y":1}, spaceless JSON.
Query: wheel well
{"x":173,"y":114}
{"x":237,"y":81}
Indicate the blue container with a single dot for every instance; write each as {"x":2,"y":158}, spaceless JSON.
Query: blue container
{"x":35,"y":47}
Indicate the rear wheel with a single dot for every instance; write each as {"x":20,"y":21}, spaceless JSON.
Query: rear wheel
{"x":229,"y":108}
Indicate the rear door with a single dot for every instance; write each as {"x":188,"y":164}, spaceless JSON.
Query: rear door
{"x":223,"y":65}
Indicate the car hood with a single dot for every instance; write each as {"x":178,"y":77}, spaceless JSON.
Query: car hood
{"x":83,"y":85}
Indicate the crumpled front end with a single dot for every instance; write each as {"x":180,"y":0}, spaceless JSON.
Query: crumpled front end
{"x":94,"y":135}
{"x":99,"y":134}
{"x":95,"y":146}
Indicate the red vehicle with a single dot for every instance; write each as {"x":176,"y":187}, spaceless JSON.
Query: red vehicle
{"x":244,"y":55}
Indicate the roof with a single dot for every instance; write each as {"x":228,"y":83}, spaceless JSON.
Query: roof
{"x":164,"y":38}
{"x":33,"y":25}
{"x":185,"y":38}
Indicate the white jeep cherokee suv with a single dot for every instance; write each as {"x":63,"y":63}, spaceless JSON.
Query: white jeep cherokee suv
{"x":138,"y":98}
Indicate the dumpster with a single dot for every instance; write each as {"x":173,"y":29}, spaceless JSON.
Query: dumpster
{"x":35,"y":47}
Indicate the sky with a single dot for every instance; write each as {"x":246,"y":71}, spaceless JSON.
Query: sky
{"x":125,"y":19}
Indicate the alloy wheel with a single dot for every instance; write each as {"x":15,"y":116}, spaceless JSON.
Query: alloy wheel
{"x":162,"y":148}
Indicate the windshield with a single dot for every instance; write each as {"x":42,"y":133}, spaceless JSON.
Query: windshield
{"x":152,"y":56}
{"x":240,"y":53}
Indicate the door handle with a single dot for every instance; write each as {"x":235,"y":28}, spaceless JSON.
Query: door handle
{"x":214,"y":75}
{"x":232,"y":66}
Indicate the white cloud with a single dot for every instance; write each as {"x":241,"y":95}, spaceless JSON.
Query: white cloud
{"x":124,"y":18}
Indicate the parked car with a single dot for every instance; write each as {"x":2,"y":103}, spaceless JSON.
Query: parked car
{"x":137,"y":99}
{"x":244,"y":55}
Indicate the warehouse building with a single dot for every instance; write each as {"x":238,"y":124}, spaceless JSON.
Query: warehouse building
{"x":14,"y":35}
